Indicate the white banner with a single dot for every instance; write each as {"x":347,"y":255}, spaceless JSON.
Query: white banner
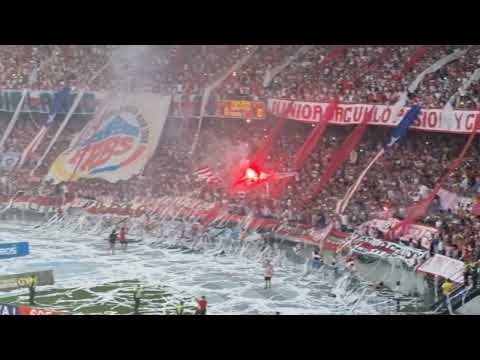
{"x":369,"y":246}
{"x":445,"y":267}
{"x":119,"y":144}
{"x":422,"y":233}
{"x":384,"y":115}
{"x":454,"y":202}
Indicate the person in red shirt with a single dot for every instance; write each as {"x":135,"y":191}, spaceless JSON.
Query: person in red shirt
{"x":202,"y":306}
{"x":123,"y":238}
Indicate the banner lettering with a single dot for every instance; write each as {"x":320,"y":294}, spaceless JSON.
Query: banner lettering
{"x":348,"y":114}
{"x":119,"y":144}
{"x":12,"y":282}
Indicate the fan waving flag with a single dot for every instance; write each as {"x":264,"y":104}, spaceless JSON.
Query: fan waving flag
{"x":59,"y":101}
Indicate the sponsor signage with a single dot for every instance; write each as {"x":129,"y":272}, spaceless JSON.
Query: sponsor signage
{"x":242,"y":109}
{"x":9,"y":309}
{"x":12,"y":282}
{"x":14,"y":250}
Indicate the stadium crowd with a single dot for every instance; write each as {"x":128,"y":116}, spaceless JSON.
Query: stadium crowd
{"x":352,"y":74}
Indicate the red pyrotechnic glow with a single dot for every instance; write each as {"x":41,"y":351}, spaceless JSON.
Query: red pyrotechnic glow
{"x":252,"y":176}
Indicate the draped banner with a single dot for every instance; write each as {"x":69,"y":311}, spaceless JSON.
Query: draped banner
{"x":444,"y":267}
{"x":119,"y":144}
{"x":434,"y":120}
{"x":376,"y":248}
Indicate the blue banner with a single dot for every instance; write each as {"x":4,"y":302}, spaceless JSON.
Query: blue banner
{"x":14,"y":250}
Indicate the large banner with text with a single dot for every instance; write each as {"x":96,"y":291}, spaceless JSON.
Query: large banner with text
{"x":118,"y":143}
{"x":439,"y":120}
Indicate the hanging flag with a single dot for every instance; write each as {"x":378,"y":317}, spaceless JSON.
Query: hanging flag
{"x":401,"y":129}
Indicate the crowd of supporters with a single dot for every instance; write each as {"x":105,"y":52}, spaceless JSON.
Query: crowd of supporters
{"x":352,"y":73}
{"x":361,"y":74}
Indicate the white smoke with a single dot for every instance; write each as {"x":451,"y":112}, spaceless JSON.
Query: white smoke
{"x":130,"y":65}
{"x":224,"y":155}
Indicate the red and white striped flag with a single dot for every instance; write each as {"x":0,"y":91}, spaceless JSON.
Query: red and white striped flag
{"x":206,"y":174}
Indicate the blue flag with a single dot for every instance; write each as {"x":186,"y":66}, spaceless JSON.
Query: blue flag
{"x":58,"y":101}
{"x":401,"y":129}
{"x":14,"y":250}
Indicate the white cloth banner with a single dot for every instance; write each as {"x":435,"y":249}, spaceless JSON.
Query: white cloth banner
{"x":448,"y":200}
{"x":417,"y":232}
{"x":372,"y":247}
{"x":119,"y":145}
{"x":461,"y":122}
{"x":445,"y":267}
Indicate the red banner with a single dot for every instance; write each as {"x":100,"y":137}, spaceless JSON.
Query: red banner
{"x":27,"y":310}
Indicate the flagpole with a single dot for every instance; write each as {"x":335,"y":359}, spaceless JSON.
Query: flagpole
{"x":13,"y":121}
